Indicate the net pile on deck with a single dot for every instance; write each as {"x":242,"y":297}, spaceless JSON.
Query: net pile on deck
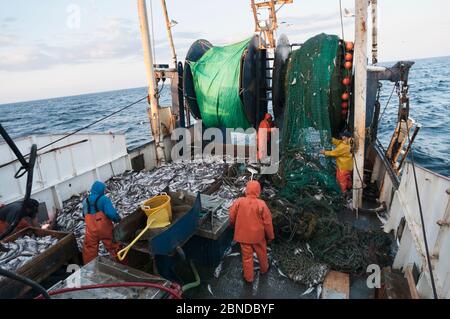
{"x":128,"y":190}
{"x":15,"y":254}
{"x":311,"y":239}
{"x":329,"y":242}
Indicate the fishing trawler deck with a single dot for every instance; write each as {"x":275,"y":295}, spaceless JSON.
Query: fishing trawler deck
{"x":396,"y":221}
{"x":275,"y":285}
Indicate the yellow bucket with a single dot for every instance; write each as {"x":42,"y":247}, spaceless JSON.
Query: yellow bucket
{"x":159,"y":214}
{"x":159,"y":209}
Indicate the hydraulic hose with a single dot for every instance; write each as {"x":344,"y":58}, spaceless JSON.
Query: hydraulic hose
{"x":26,"y":281}
{"x":172,"y":291}
{"x":194,"y":284}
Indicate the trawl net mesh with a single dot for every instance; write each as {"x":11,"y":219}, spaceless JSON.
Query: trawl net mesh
{"x":310,"y":115}
{"x":310,"y":235}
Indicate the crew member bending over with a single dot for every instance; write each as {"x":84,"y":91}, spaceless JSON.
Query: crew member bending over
{"x":253,"y":228}
{"x":344,"y":160}
{"x":99,"y":215}
{"x":23,"y":213}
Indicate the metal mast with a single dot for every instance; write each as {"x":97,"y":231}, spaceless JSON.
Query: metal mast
{"x":153,"y":110}
{"x":361,"y":8}
{"x":267,"y":28}
{"x":169,"y":33}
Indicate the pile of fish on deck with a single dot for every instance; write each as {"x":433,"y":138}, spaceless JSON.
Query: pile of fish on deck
{"x":15,"y":254}
{"x":233,"y":186}
{"x":128,"y":190}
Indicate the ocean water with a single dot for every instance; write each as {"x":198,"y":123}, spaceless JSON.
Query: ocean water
{"x":66,"y":114}
{"x":429,"y":90}
{"x":430,"y":106}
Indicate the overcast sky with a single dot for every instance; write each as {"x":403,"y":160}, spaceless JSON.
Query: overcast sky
{"x":51,"y":48}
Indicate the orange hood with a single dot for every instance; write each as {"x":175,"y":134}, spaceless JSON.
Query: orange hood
{"x":267,"y":117}
{"x":253,"y":189}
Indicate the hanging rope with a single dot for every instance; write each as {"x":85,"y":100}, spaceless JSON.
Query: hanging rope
{"x":389,"y":100}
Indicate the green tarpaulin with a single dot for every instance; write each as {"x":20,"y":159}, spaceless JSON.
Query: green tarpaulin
{"x":216,"y":81}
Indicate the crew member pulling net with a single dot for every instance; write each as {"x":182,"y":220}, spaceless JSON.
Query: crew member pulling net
{"x":311,"y":238}
{"x":310,"y":80}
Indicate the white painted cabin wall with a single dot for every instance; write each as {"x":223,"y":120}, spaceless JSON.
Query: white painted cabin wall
{"x":65,"y":172}
{"x":148,"y":150}
{"x":434,"y":192}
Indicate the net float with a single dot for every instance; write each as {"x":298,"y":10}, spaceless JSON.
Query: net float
{"x":349,"y":46}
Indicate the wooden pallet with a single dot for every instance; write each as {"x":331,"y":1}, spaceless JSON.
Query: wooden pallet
{"x":336,"y":286}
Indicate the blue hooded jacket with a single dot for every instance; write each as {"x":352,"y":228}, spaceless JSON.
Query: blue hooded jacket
{"x":104,"y":204}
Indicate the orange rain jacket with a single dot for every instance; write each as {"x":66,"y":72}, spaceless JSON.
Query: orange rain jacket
{"x":263,"y":137}
{"x":264,"y":124}
{"x":251,"y":217}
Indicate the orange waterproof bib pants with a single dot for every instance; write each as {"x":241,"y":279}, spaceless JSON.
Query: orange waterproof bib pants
{"x":98,"y":228}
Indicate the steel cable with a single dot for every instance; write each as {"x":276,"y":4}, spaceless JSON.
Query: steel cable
{"x":90,"y":125}
{"x":430,"y":268}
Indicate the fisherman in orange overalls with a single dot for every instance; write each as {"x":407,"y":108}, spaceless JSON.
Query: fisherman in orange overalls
{"x":263,"y":139}
{"x":344,"y":160}
{"x":99,"y":215}
{"x":253,"y":228}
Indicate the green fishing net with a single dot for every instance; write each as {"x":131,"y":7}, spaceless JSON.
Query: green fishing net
{"x":313,"y":88}
{"x":216,"y":81}
{"x":308,"y":207}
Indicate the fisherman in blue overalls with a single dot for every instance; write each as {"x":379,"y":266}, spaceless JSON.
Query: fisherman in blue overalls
{"x":99,"y":215}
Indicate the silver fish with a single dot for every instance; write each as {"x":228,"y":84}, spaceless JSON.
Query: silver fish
{"x":17,"y":253}
{"x":319,"y":291}
{"x":308,"y":291}
{"x":128,"y":190}
{"x":210,"y":290}
{"x":218,"y":270}
{"x":281,"y":273}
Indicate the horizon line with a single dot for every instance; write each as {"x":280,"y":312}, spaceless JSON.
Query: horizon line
{"x":139,"y":87}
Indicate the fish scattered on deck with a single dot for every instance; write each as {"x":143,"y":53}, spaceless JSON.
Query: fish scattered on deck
{"x":319,"y":291}
{"x":128,"y":190}
{"x":281,"y":273}
{"x":210,"y":290}
{"x":308,"y":291}
{"x":218,"y":270}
